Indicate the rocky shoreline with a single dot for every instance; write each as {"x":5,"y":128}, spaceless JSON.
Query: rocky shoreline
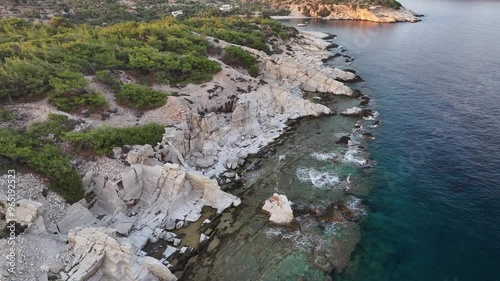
{"x":373,"y":13}
{"x":144,"y":193}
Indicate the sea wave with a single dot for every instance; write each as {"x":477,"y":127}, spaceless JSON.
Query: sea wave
{"x":373,"y":116}
{"x":352,"y":156}
{"x":317,"y":178}
{"x":355,"y":205}
{"x":324,"y":156}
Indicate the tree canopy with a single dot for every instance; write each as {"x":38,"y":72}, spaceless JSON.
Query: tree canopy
{"x":52,"y":59}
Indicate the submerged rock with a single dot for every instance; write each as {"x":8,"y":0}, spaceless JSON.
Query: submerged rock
{"x":279,"y":208}
{"x":343,"y":140}
{"x":352,"y":112}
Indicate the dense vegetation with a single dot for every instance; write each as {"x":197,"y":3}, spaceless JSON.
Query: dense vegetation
{"x":52,"y":59}
{"x":5,"y":115}
{"x":236,"y":56}
{"x":57,"y":59}
{"x":103,"y":139}
{"x":98,"y":12}
{"x":254,"y":33}
{"x":37,"y":149}
{"x":39,"y":59}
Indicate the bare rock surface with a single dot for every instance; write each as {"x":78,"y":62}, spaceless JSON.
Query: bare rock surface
{"x":76,"y":215}
{"x":345,"y":11}
{"x":100,"y":254}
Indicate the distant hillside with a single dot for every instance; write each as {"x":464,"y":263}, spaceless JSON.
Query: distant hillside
{"x":99,"y":12}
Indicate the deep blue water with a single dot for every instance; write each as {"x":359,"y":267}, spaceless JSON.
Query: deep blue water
{"x":435,"y":204}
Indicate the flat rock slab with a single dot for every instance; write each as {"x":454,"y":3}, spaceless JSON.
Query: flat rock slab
{"x":76,"y":215}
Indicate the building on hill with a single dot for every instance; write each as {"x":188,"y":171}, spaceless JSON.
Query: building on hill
{"x":177,"y":13}
{"x":226,"y":8}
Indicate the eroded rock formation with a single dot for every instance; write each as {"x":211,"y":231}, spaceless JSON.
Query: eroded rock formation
{"x":101,"y":255}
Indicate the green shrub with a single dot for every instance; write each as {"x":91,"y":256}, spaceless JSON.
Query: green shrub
{"x":64,"y":179}
{"x":83,"y":99}
{"x":253,"y":70}
{"x":56,"y":125}
{"x":171,"y":68}
{"x":107,"y":78}
{"x":141,"y":97}
{"x":38,"y":59}
{"x":24,"y":79}
{"x":70,"y":94}
{"x":103,"y":139}
{"x":46,"y":158}
{"x":236,"y":56}
{"x":5,"y":115}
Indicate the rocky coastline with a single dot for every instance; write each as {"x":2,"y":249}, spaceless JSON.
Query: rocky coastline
{"x":372,"y":13}
{"x":143,"y":194}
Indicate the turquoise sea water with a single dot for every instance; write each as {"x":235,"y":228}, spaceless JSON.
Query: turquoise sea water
{"x":435,"y":201}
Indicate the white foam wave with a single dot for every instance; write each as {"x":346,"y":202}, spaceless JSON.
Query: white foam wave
{"x":324,"y":156}
{"x":317,"y":178}
{"x":298,"y":239}
{"x":354,"y":205}
{"x":372,"y":117}
{"x":351,"y":156}
{"x":331,"y":229}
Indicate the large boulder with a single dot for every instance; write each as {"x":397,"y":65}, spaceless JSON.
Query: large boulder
{"x":76,"y":215}
{"x":140,"y":154}
{"x":26,"y":211}
{"x":279,"y":208}
{"x":353,"y":112}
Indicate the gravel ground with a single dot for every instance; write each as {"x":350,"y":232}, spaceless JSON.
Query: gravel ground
{"x":35,"y":251}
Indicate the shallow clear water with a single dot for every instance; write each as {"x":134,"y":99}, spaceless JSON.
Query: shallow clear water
{"x":311,"y":169}
{"x":435,"y":202}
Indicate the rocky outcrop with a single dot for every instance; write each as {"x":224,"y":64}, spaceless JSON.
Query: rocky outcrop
{"x":355,"y":12}
{"x":217,"y":139}
{"x":146,"y":200}
{"x":345,"y":11}
{"x":353,"y":111}
{"x":310,"y":78}
{"x":279,"y":208}
{"x":359,"y":112}
{"x":218,"y":142}
{"x":101,"y":255}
